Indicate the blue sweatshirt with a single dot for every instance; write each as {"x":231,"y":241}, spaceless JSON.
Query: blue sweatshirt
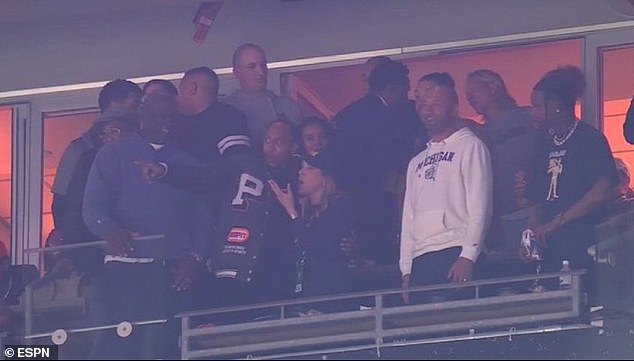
{"x":118,"y":197}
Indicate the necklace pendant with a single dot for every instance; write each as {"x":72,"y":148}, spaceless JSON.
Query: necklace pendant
{"x":560,"y":141}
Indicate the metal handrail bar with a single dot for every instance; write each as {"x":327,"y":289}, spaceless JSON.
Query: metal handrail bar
{"x":377,"y":315}
{"x":353,"y":295}
{"x":87,"y":244}
{"x":479,"y":336}
{"x":96,"y":328}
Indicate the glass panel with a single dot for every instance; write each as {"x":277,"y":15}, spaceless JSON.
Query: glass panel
{"x":331,"y":89}
{"x":6,"y":115}
{"x":618,"y":89}
{"x":59,"y":131}
{"x":5,"y":180}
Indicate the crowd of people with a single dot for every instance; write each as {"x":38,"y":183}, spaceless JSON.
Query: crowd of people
{"x":206,"y":203}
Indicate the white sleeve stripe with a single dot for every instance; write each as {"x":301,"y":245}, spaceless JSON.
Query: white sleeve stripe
{"x":232,"y":143}
{"x":229,"y":138}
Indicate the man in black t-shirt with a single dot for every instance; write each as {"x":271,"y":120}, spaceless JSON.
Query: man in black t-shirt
{"x":574,"y":173}
{"x":564,"y":175}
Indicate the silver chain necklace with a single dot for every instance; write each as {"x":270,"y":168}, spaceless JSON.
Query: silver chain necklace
{"x":560,"y":141}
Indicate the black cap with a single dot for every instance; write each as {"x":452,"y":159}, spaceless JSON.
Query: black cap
{"x":323,"y":161}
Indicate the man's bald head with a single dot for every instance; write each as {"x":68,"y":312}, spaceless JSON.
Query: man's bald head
{"x":197,"y":90}
{"x":250,"y":67}
{"x":237,"y":54}
{"x":205,"y":78}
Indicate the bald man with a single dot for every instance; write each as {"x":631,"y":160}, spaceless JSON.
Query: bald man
{"x":260,"y":105}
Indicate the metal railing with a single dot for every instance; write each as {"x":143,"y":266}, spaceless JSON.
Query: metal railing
{"x":384,"y":324}
{"x":59,"y":336}
{"x":381,"y":324}
{"x":88,"y":244}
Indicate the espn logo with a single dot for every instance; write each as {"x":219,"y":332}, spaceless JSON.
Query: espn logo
{"x":238,"y":235}
{"x":31,"y":352}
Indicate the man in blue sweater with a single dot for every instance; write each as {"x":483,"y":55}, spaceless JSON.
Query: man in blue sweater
{"x":119,"y":204}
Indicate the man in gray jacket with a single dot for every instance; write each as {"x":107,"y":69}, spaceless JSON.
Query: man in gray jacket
{"x":260,"y":105}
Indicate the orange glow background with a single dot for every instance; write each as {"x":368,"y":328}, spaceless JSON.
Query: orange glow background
{"x":333,"y":88}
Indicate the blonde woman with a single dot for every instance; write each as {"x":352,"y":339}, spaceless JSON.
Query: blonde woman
{"x":326,"y":219}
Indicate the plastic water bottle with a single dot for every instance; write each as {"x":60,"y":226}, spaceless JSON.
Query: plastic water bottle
{"x":565,"y":281}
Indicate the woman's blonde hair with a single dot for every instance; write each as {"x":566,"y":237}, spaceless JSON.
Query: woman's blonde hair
{"x":331,"y":191}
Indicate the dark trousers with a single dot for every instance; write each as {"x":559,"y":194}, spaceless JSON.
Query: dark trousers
{"x":432,"y":269}
{"x":498,"y":267}
{"x":227,"y":292}
{"x":181,"y":301}
{"x":377,"y":225}
{"x":131,"y":292}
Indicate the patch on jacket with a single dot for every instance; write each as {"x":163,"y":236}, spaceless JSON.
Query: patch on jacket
{"x":226,"y":273}
{"x":238,"y":235}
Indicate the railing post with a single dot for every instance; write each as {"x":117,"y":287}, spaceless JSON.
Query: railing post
{"x":378,"y":327}
{"x":28,"y":312}
{"x":185,"y":338}
{"x":576,"y":292}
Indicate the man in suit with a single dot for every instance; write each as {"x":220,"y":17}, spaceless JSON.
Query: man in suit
{"x":373,"y":148}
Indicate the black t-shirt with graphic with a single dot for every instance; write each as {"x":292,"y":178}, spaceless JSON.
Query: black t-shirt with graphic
{"x":567,"y":172}
{"x":562,"y":175}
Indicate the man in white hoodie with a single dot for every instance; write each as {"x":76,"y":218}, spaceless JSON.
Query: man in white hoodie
{"x":448,"y":200}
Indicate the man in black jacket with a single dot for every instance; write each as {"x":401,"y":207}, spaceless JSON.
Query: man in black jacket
{"x":278,"y":256}
{"x":374,"y":145}
{"x":208,"y":128}
{"x":118,"y":101}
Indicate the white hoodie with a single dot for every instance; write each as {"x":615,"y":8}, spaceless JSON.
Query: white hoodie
{"x":448,"y":199}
